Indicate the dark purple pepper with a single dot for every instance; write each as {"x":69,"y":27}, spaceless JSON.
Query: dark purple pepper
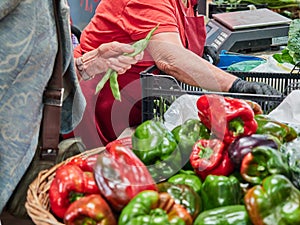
{"x":243,"y":145}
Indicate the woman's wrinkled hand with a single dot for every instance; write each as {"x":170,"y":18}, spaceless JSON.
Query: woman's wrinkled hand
{"x":113,"y":54}
{"x":109,"y":55}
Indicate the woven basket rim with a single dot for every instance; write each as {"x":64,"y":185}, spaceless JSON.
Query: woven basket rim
{"x":37,"y":201}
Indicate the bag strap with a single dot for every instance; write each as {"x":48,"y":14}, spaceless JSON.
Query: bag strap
{"x":52,"y":99}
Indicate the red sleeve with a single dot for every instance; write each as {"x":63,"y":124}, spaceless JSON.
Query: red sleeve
{"x":140,"y":16}
{"x":127,"y":21}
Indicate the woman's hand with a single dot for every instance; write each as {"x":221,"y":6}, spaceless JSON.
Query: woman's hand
{"x":113,"y":53}
{"x":108,"y":55}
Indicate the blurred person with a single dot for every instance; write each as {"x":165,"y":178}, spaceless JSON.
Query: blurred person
{"x":176,"y":48}
{"x":28,"y":51}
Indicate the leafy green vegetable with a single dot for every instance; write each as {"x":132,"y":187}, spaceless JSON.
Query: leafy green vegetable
{"x":283,"y":57}
{"x":294,"y":40}
{"x":291,"y":53}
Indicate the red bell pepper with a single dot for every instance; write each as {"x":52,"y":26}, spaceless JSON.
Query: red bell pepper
{"x":121,"y":175}
{"x":89,"y":210}
{"x":86,"y":164}
{"x":210,"y":156}
{"x":69,"y":184}
{"x":227,"y":118}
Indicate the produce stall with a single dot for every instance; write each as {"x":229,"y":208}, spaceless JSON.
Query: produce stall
{"x":229,"y":163}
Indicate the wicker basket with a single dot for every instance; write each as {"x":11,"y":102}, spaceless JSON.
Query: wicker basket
{"x":37,"y":204}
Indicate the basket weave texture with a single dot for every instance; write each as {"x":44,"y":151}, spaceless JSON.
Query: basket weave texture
{"x":37,"y":204}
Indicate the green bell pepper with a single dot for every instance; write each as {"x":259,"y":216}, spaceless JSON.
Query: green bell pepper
{"x":186,"y":135}
{"x":275,"y":201}
{"x":157,"y":148}
{"x":262,"y":162}
{"x":183,"y":195}
{"x":225,"y":215}
{"x":220,"y":191}
{"x":282,"y":131}
{"x":153,"y":208}
{"x":291,"y":151}
{"x":187,"y":177}
{"x":245,"y":186}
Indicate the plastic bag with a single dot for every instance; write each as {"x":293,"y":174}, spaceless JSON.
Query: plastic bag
{"x":180,"y":110}
{"x":245,"y":66}
{"x":184,"y":107}
{"x":288,"y":110}
{"x":272,"y":66}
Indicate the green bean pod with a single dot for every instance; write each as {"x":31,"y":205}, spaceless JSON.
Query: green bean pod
{"x":104,"y":79}
{"x":114,"y":85}
{"x":141,"y":45}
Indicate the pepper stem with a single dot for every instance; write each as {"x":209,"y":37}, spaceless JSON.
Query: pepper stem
{"x":261,"y":168}
{"x":205,"y":152}
{"x":73,"y":196}
{"x":236,"y":126}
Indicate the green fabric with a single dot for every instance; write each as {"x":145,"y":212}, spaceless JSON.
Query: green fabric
{"x":245,"y":66}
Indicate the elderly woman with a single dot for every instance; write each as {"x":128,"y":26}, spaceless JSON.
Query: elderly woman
{"x":176,"y":48}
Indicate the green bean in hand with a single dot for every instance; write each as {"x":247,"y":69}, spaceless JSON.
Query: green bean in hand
{"x":114,"y":85}
{"x":140,"y":45}
{"x":104,"y":79}
{"x":112,"y":75}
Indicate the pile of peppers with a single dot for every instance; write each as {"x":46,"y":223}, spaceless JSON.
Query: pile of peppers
{"x":229,"y":166}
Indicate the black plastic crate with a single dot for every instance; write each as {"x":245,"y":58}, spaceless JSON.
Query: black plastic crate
{"x":160,"y":90}
{"x":283,"y":82}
